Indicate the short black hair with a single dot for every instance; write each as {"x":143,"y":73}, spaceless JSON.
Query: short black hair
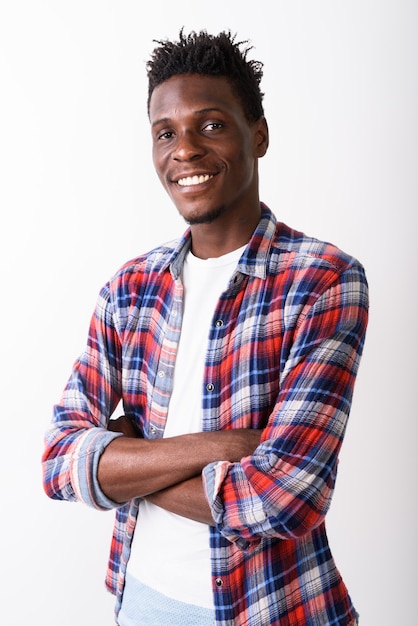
{"x":210,"y":55}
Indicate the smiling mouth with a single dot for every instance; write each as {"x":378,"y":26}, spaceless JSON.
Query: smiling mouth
{"x":189,"y":181}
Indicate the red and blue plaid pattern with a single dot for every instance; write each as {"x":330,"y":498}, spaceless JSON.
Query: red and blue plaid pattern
{"x":283,"y":354}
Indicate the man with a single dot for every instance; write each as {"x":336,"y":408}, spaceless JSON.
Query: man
{"x":235,"y":351}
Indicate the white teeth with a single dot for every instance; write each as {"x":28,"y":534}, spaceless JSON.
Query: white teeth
{"x":194,"y":180}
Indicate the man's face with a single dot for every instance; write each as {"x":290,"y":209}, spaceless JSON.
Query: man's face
{"x":204,"y":150}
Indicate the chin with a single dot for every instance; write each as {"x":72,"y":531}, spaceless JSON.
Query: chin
{"x":203,"y":217}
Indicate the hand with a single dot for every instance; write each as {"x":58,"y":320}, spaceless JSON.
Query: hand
{"x":124,"y":425}
{"x":232,"y":445}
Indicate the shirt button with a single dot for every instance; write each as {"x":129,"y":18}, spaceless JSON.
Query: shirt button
{"x":219,"y":582}
{"x":153,"y":429}
{"x":210,"y":387}
{"x":161,"y":374}
{"x":219,"y":323}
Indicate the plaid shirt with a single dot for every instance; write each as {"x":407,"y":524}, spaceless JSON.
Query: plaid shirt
{"x":283,"y":353}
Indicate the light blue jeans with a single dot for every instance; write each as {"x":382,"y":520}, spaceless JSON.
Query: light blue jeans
{"x":143,"y":606}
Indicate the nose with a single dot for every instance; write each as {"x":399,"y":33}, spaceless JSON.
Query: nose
{"x":187,"y":147}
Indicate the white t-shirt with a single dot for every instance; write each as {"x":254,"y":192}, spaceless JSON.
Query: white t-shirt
{"x":168,"y":549}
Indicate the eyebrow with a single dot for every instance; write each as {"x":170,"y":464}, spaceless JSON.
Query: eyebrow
{"x":165,"y":120}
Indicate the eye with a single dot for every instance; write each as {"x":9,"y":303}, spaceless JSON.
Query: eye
{"x":213,"y":126}
{"x":166,"y":134}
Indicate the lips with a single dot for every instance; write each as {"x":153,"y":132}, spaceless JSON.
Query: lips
{"x":190,"y":181}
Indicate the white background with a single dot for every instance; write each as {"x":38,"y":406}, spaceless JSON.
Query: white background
{"x":79,"y":196}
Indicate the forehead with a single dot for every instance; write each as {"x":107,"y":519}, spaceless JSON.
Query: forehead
{"x":193,"y":93}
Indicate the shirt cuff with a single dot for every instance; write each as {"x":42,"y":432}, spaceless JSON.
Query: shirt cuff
{"x":84,"y":465}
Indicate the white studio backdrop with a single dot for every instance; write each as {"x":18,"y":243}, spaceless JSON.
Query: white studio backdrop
{"x":79,"y":197}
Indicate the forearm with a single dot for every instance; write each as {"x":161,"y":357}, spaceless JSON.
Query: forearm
{"x":186,"y":499}
{"x":130,"y":468}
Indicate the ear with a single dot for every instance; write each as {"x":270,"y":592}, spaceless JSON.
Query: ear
{"x":261,"y":137}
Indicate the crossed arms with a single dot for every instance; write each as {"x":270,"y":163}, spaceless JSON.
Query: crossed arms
{"x":135,"y":467}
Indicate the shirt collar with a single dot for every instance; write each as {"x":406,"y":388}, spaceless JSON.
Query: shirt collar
{"x":255,"y":258}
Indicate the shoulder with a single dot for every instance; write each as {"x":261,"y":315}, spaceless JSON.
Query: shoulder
{"x":317,"y":277}
{"x":152,"y":261}
{"x":307,"y":270}
{"x":294,"y":250}
{"x":150,"y":267}
{"x":137,"y":276}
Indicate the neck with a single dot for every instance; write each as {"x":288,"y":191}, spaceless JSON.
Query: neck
{"x":214,"y":240}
